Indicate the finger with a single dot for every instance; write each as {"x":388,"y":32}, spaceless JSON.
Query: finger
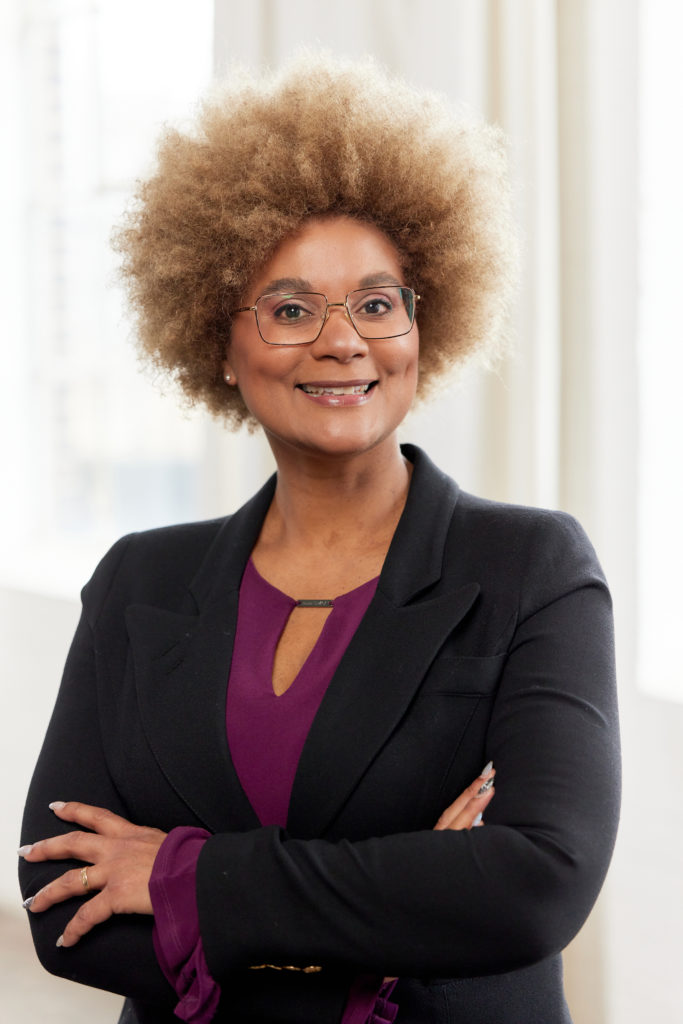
{"x":467,"y":817}
{"x":452,"y":811}
{"x":97,"y":819}
{"x":86,"y":846}
{"x":73,"y":883}
{"x":91,"y":913}
{"x":481,"y":785}
{"x":474,"y":798}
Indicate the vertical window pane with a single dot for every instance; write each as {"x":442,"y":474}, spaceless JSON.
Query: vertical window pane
{"x":105,"y":451}
{"x":660,"y":480}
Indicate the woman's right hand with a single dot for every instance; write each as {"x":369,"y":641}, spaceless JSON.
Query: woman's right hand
{"x":466,"y":811}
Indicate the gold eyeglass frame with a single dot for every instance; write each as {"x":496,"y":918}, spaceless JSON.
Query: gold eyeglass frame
{"x":328,"y":305}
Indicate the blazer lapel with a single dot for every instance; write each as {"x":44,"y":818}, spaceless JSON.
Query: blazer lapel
{"x":369,"y":694}
{"x":385,"y":663}
{"x":182,"y":664}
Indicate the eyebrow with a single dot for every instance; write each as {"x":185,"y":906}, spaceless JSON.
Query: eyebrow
{"x":288,"y":284}
{"x":300,"y":284}
{"x":380,"y":278}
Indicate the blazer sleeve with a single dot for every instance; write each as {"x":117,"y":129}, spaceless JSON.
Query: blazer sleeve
{"x":119,"y":954}
{"x":458,"y":904}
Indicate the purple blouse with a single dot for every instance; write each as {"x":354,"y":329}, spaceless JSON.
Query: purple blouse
{"x":266,"y":734}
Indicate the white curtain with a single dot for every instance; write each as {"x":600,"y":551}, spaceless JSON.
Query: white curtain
{"x":557,"y":425}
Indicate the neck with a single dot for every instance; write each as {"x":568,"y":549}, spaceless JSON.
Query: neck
{"x":344,"y":504}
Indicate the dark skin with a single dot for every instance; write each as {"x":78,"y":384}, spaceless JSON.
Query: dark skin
{"x":304,"y":569}
{"x":330,"y":410}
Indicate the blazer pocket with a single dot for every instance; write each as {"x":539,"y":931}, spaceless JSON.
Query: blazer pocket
{"x":463,"y":676}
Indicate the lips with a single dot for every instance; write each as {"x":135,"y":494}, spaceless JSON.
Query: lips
{"x":338,"y":389}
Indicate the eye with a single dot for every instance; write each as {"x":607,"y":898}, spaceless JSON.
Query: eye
{"x":374,"y":306}
{"x":287,"y":309}
{"x":290,"y":311}
{"x":371,"y":305}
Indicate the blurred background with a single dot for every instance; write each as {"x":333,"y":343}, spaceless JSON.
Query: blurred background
{"x":586,"y":415}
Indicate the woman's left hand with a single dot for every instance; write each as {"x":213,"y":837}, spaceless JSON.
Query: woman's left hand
{"x":118,"y":855}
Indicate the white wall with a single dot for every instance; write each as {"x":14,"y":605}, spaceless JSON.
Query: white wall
{"x":35,"y":633}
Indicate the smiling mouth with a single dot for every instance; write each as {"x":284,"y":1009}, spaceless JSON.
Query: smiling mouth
{"x":347,"y":389}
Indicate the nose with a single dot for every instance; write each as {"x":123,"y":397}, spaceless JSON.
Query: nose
{"x":338,"y":338}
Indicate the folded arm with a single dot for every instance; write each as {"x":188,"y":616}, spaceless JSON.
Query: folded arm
{"x":453,"y":903}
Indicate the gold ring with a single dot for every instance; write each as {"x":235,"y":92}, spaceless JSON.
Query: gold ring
{"x":84,"y":879}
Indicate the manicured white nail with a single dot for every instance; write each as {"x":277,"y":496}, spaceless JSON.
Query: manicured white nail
{"x":477,"y":820}
{"x":27,"y":902}
{"x":485,"y":771}
{"x":56,"y":805}
{"x":485,"y":788}
{"x":60,"y":941}
{"x":24,"y":851}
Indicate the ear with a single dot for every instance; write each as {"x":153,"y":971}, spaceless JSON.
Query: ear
{"x":229,"y":374}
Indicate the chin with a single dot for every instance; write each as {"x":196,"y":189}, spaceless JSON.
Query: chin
{"x":330,"y":444}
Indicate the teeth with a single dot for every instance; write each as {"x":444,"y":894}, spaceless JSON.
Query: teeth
{"x":353,"y":389}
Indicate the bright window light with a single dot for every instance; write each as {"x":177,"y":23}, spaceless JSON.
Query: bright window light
{"x":660,"y":372}
{"x":97,"y":449}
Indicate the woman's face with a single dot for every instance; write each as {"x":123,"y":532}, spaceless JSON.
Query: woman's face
{"x":281,"y":385}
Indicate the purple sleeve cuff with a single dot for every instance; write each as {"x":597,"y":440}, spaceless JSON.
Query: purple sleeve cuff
{"x":177,"y":942}
{"x":179,"y":949}
{"x":368,"y":1001}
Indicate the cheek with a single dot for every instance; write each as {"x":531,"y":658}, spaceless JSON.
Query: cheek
{"x":261,"y":373}
{"x":406,"y":361}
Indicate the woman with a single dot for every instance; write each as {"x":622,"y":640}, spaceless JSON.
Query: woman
{"x":270,"y":855}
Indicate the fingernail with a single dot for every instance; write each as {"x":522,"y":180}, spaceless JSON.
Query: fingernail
{"x":60,"y":941}
{"x":477,"y":820}
{"x":485,"y":771}
{"x":56,"y":805}
{"x":24,"y":851}
{"x":485,"y":788}
{"x":27,"y":902}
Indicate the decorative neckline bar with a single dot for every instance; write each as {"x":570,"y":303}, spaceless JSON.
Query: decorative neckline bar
{"x":314,"y":604}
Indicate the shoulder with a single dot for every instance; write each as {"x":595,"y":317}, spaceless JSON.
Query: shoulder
{"x":536,"y":554}
{"x":481,"y":531}
{"x":522,"y":526}
{"x":530,"y":555}
{"x":142,"y":566}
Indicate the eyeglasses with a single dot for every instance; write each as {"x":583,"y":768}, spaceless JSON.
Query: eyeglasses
{"x":297,"y":318}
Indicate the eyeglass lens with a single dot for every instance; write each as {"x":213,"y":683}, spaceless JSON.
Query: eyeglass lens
{"x":296,"y":318}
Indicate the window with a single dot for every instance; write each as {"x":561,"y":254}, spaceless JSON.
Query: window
{"x":98,"y":450}
{"x":660,"y":351}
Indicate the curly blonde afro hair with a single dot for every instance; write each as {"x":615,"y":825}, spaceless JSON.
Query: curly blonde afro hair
{"x":322,"y":137}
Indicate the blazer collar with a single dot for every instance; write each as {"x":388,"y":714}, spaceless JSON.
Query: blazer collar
{"x":414,"y":560}
{"x":223,"y":566}
{"x":182,"y":663}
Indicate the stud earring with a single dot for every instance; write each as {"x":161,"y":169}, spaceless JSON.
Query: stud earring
{"x":227,"y":378}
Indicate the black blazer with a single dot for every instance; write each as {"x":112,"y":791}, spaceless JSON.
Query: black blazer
{"x":489,"y":637}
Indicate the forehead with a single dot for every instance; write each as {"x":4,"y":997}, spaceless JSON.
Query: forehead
{"x":331,"y":255}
